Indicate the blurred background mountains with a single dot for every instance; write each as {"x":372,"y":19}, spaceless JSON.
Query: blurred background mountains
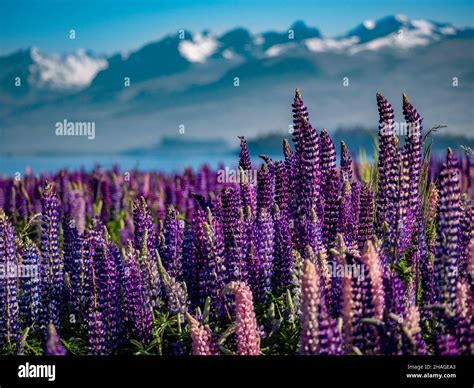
{"x":190,"y":83}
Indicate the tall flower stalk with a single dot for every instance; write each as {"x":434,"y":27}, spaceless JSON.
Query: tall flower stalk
{"x":247,"y":337}
{"x":9,"y":321}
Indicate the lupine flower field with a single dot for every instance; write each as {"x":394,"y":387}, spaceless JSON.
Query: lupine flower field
{"x":319,"y":255}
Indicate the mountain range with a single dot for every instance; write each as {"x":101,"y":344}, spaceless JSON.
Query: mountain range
{"x":208,"y":86}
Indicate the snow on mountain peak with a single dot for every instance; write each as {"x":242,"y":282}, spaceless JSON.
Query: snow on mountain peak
{"x":337,"y":45}
{"x":399,"y":32}
{"x":448,"y":30}
{"x":401,"y":18}
{"x":391,"y":32}
{"x":228,"y":54}
{"x":71,"y":71}
{"x":423,"y":25}
{"x":278,"y":49}
{"x":199,"y":49}
{"x":369,"y":24}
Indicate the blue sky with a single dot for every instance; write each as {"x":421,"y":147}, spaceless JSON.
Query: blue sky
{"x":108,"y":26}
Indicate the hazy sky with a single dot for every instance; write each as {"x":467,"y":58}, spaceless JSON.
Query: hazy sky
{"x":108,"y":26}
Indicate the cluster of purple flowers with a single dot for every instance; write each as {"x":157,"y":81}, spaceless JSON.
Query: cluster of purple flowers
{"x":360,"y":259}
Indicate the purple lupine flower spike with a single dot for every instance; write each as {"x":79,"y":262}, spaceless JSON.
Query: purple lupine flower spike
{"x":114,"y":314}
{"x":264,"y":198}
{"x":331,"y":208}
{"x":356,"y":188}
{"x":310,"y":172}
{"x":51,"y":265}
{"x":191,"y":264}
{"x":449,"y":213}
{"x":329,"y":187}
{"x":97,"y":343}
{"x":248,"y":195}
{"x":173,"y":239}
{"x":314,"y":235}
{"x":9,"y":325}
{"x":244,"y":157}
{"x":53,"y":343}
{"x":253,"y":263}
{"x":414,"y":136}
{"x":281,"y":188}
{"x":142,"y":221}
{"x":232,"y":231}
{"x":265,"y":247}
{"x":138,"y":316}
{"x":328,"y":154}
{"x":394,"y":290}
{"x":150,"y":275}
{"x":116,"y":194}
{"x":466,"y":233}
{"x":386,"y":167}
{"x":300,"y":112}
{"x":346,"y":163}
{"x":345,"y":221}
{"x":213,"y":271}
{"x":366,"y":296}
{"x":447,"y":346}
{"x":176,"y":293}
{"x":394,"y":201}
{"x":412,"y":160}
{"x":77,"y":207}
{"x":105,"y":314}
{"x":283,"y":259}
{"x":30,"y":284}
{"x":290,"y":165}
{"x":366,"y":216}
{"x":330,"y":337}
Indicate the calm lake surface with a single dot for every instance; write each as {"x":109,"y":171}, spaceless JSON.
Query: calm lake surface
{"x":9,"y":165}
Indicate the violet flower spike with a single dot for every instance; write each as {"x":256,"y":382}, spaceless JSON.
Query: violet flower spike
{"x":53,"y":343}
{"x":9,"y":324}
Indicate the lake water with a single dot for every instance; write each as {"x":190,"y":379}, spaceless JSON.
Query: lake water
{"x":9,"y":165}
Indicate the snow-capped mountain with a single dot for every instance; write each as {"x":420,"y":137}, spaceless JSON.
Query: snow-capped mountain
{"x":398,"y":32}
{"x":68,"y":72}
{"x":71,"y":71}
{"x":80,"y":69}
{"x":188,"y":77}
